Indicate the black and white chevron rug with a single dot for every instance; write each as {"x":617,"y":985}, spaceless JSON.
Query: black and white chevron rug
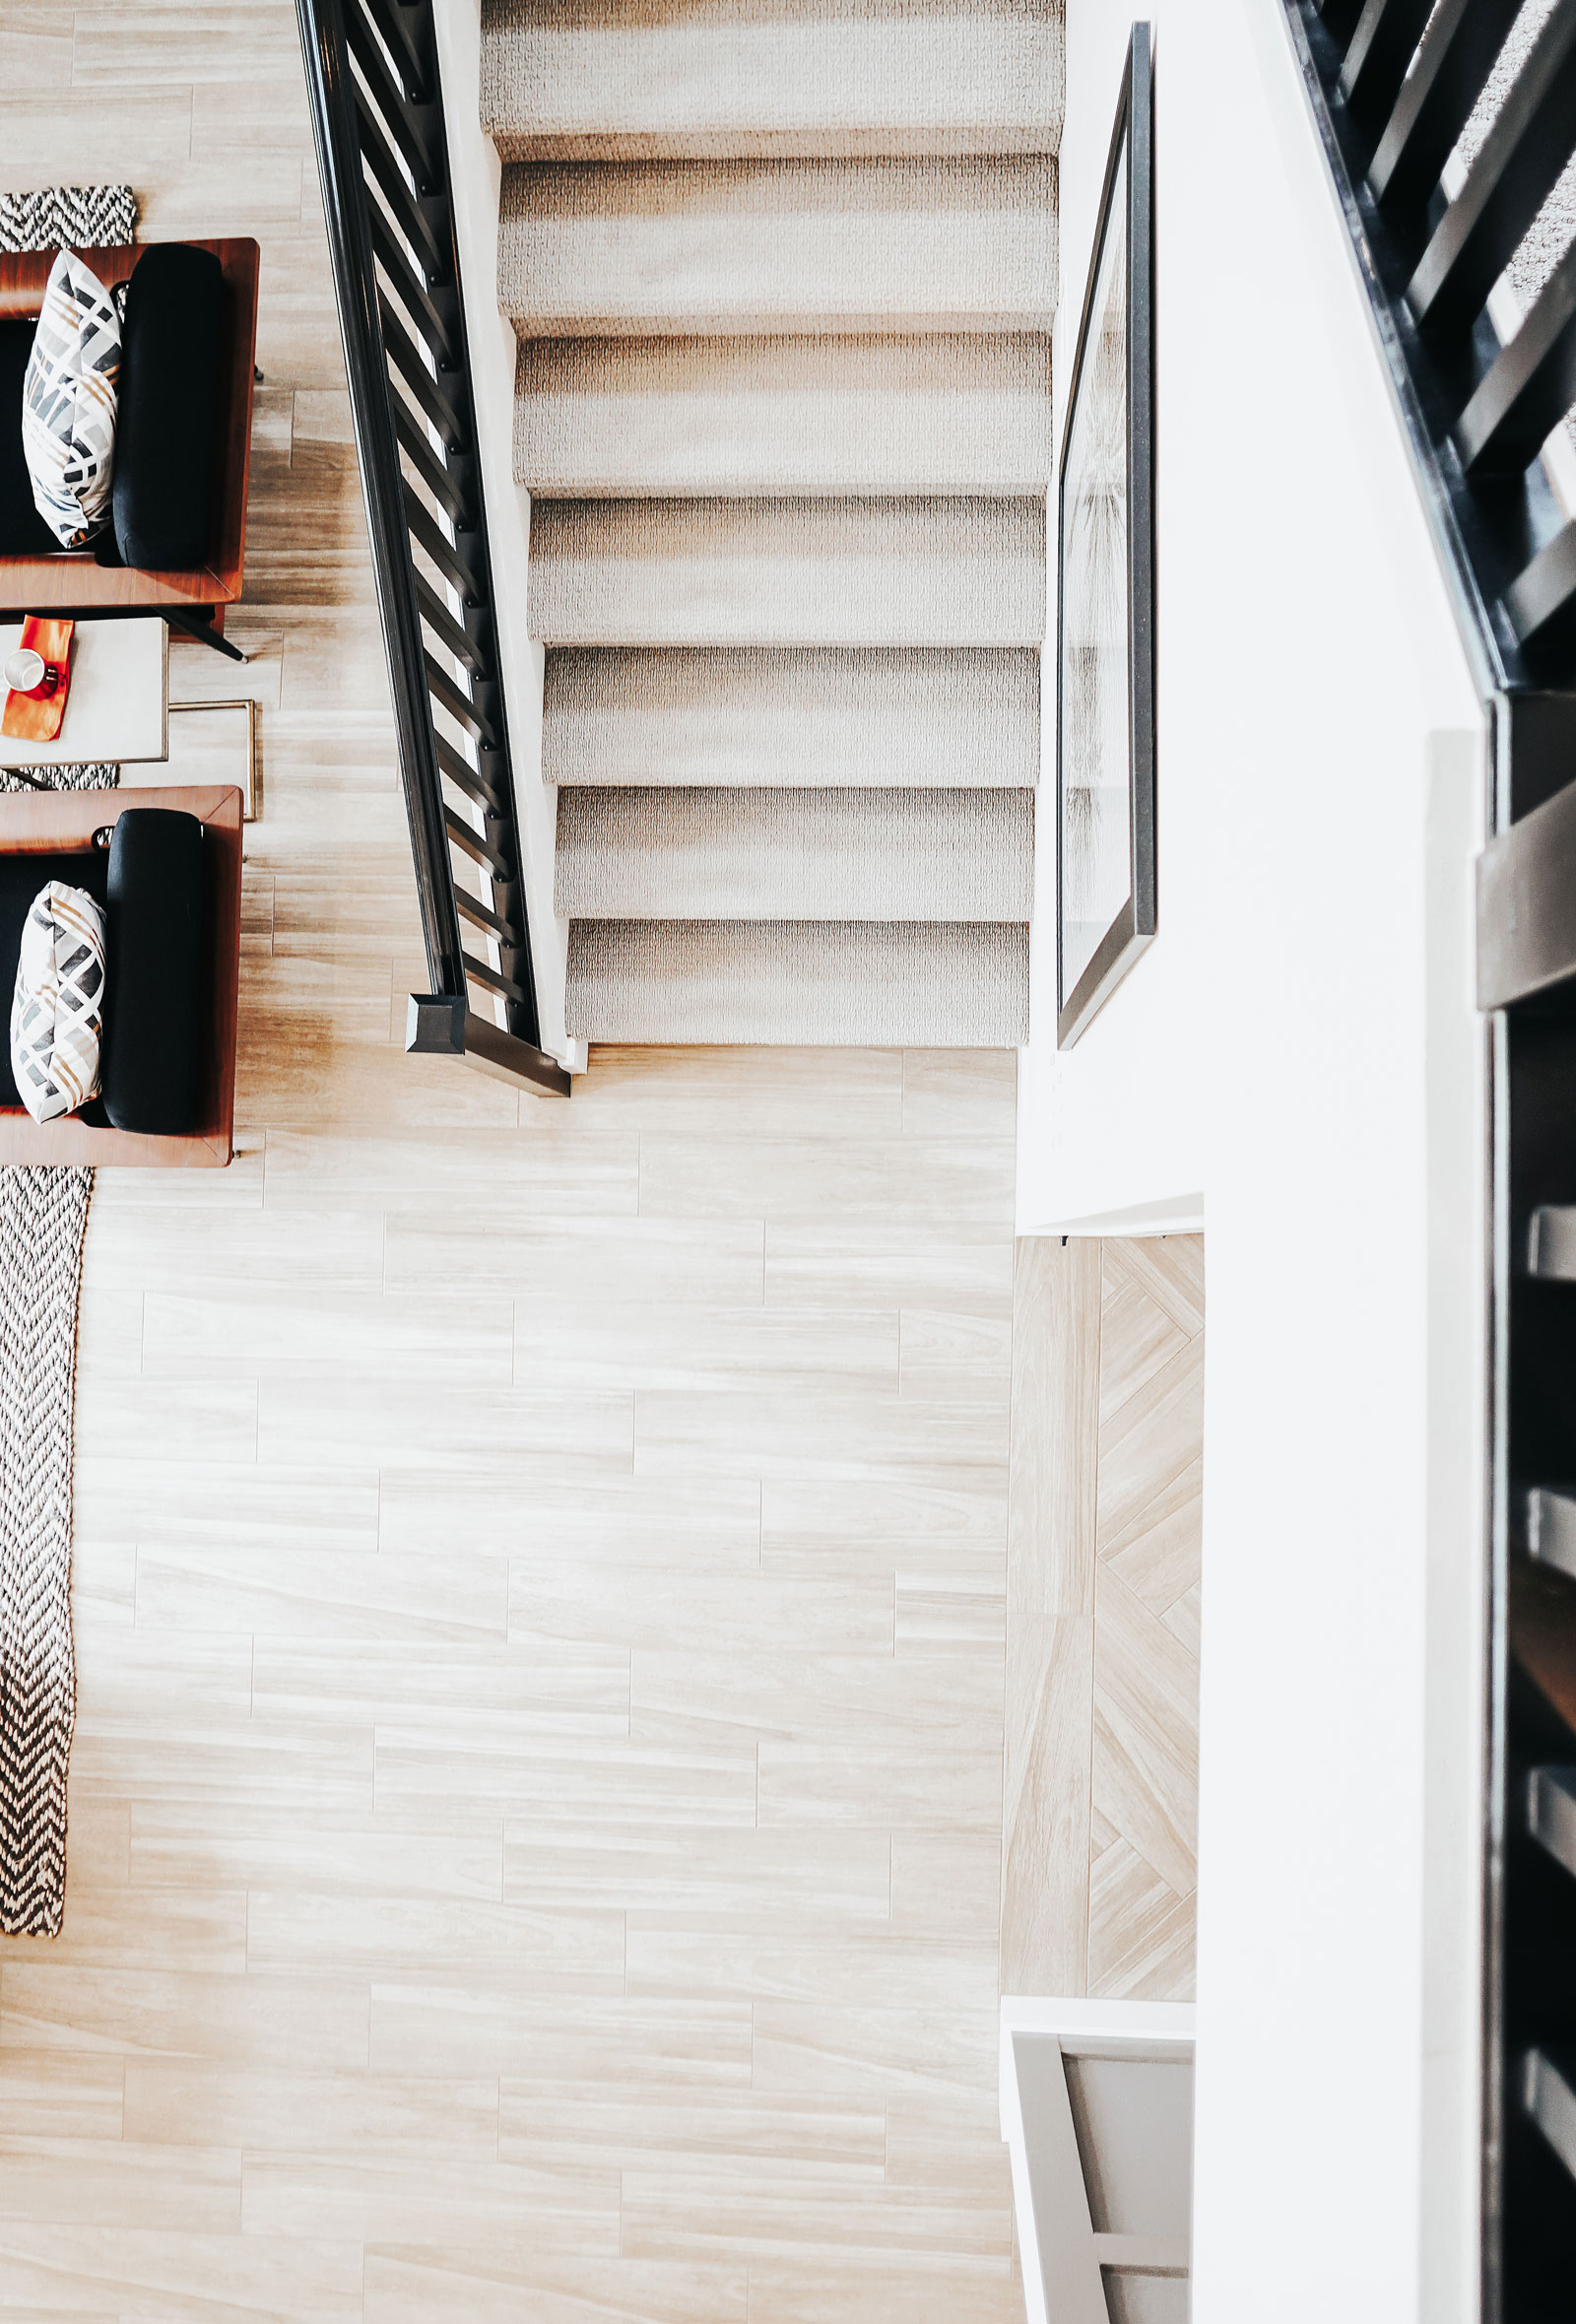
{"x":43,"y":1217}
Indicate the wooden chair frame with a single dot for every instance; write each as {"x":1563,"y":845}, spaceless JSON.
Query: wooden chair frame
{"x":63,"y":823}
{"x":72,"y":581}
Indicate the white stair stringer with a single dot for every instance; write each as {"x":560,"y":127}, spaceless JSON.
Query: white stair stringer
{"x":684,"y":853}
{"x":802,"y":715}
{"x":619,"y":80}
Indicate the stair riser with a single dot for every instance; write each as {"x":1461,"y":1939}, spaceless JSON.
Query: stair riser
{"x":716,"y":717}
{"x":649,"y":248}
{"x":788,"y":572}
{"x":785,"y":414}
{"x":739,"y":855}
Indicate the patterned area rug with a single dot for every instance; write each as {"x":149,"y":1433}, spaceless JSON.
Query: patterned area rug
{"x":43,"y":1217}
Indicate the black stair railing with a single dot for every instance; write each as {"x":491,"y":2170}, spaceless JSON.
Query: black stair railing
{"x":1483,"y":386}
{"x":378,"y":117}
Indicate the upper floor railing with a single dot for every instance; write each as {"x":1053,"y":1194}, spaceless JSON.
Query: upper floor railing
{"x":1445,"y":145}
{"x":1449,"y":131}
{"x":378,"y":117}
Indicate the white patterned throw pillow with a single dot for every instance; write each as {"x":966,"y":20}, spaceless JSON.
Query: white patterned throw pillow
{"x":69,"y":401}
{"x":57,"y":1009}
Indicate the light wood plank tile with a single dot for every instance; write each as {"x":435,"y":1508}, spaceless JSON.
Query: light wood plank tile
{"x":198,"y":2103}
{"x":307,"y":1331}
{"x":116,"y":2182}
{"x":969,"y":1090}
{"x":61,"y":2094}
{"x":161,"y":2276}
{"x":459,"y":2031}
{"x":415,"y":2286}
{"x":673,"y":1957}
{"x":462,"y":1939}
{"x":349,"y":1594}
{"x":710,"y":2133}
{"x":501,"y":2209}
{"x":192,"y":1845}
{"x":824,"y":1263}
{"x":801,"y":1180}
{"x":267,"y":2020}
{"x":826,"y":1877}
{"x":622,"y":1520}
{"x":683,"y":1613}
{"x":869,"y":2053}
{"x":680,"y":1345}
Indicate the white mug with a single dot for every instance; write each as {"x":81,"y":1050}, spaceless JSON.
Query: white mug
{"x":25,"y":670}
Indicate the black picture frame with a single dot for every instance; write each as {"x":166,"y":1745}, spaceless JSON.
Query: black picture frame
{"x":1132,"y":930}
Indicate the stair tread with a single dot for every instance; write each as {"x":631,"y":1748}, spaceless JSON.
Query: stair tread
{"x":594,"y":79}
{"x":696,"y":853}
{"x":632,"y":249}
{"x":882,"y":983}
{"x":713,"y":714}
{"x":937,"y":572}
{"x":970,"y":413}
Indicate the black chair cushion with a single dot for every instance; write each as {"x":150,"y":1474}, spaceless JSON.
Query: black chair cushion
{"x":23,"y":531}
{"x":154,"y":981}
{"x":21,"y":878}
{"x":168,"y":407}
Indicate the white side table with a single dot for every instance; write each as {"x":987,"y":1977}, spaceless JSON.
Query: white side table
{"x":118,"y":707}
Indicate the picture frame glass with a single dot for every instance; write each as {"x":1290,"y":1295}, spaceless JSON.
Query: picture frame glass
{"x":1094,"y":615}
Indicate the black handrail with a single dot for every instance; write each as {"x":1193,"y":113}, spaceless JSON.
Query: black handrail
{"x":378,"y":118}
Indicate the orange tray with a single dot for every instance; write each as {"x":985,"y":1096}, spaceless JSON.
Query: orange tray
{"x":35,"y":718}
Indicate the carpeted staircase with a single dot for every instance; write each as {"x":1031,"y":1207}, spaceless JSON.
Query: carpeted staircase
{"x":782,"y":274}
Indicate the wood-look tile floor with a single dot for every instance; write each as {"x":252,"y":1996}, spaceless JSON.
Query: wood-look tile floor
{"x":540,"y":1590}
{"x":1103,"y":1606}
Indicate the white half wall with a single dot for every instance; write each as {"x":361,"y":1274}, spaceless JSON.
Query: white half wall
{"x":1299,"y":1048}
{"x":476,"y":171}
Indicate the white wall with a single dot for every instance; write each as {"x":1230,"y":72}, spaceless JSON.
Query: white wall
{"x":1299,"y":1047}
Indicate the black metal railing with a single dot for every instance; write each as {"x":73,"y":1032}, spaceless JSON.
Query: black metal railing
{"x":378,"y":117}
{"x":1446,"y":190}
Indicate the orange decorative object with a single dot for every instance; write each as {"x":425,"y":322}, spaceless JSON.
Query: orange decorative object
{"x":35,"y":718}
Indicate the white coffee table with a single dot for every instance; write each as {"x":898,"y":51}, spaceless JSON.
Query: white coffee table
{"x":118,"y":707}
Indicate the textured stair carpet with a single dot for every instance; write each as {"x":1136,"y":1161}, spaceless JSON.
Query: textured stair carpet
{"x":736,"y":854}
{"x":726,"y":714}
{"x":968,"y":413}
{"x":921,"y":983}
{"x":622,"y":80}
{"x":782,"y":274}
{"x":701,"y":246}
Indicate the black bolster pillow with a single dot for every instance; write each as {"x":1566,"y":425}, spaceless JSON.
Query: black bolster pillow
{"x":151,"y":1062}
{"x":169,"y":406}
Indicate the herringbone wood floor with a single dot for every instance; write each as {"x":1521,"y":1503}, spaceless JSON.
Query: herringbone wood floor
{"x":1101,"y":1800}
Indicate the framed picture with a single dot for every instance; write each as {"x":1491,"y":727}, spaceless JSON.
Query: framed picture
{"x":1106,"y":890}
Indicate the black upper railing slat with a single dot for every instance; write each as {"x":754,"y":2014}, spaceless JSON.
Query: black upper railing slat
{"x":402,"y":122}
{"x":446,"y":555}
{"x":409,"y":288}
{"x":1543,"y":592}
{"x":446,"y":627}
{"x":1455,"y":58}
{"x":385,"y":165}
{"x":433,"y":394}
{"x":369,"y":206}
{"x":459,"y":705}
{"x":444,"y":486}
{"x":1522,"y":156}
{"x":1382,"y":46}
{"x":409,"y":40}
{"x":1530,"y":387}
